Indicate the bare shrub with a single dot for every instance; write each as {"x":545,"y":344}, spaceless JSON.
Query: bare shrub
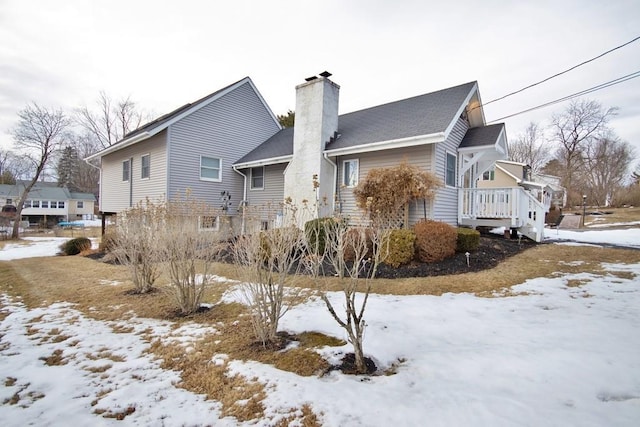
{"x":364,"y":247}
{"x":268,"y":262}
{"x":188,"y":244}
{"x":134,"y":242}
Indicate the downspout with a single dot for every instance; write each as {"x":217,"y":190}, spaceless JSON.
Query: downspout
{"x":243,"y":203}
{"x":335,"y":180}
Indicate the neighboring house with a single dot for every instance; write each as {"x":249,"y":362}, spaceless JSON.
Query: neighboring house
{"x":190,"y":149}
{"x":443,"y":132}
{"x":47,"y":203}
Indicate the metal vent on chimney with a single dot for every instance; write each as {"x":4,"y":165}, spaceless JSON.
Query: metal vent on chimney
{"x":308,"y":79}
{"x":325,"y":74}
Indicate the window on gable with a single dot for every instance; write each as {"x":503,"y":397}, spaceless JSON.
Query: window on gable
{"x":489,"y":175}
{"x":257,"y":178}
{"x":145,"y":166}
{"x":210,"y":168}
{"x":126,"y":170}
{"x":450,"y":171}
{"x":350,"y":173}
{"x":80,"y":204}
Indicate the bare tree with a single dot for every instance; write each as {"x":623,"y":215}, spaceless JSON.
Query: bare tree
{"x":86,"y":177}
{"x":12,"y":167}
{"x":354,"y":255}
{"x":111,"y":121}
{"x":531,"y":148}
{"x":607,"y":163}
{"x":268,"y":262}
{"x":581,"y":122}
{"x":40,"y":132}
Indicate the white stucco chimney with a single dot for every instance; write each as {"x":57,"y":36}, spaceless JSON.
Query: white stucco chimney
{"x":316,"y":122}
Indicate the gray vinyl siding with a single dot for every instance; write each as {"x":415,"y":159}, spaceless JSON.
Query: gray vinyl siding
{"x":273,"y":191}
{"x":446,"y":201}
{"x":420,"y":156}
{"x":227,"y":128}
{"x":115,"y":193}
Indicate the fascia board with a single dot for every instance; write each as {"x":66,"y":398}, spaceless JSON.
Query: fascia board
{"x":387,"y":145}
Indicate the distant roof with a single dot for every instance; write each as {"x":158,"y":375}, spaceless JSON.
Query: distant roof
{"x":43,"y":190}
{"x":426,"y":114}
{"x":482,"y":136}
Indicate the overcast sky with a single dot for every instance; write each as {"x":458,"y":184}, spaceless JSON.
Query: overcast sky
{"x":167,"y":53}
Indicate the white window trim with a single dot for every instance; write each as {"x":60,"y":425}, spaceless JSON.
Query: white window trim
{"x":80,"y":204}
{"x":251,"y":178}
{"x":141,"y":168}
{"x":216,"y":227}
{"x":357,"y":163}
{"x":128,"y":170}
{"x":455,"y":169}
{"x":210,"y":179}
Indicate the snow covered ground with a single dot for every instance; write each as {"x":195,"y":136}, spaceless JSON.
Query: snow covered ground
{"x":553,"y":355}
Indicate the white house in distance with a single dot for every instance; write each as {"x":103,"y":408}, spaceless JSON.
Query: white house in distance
{"x":231,"y":142}
{"x":48,"y":204}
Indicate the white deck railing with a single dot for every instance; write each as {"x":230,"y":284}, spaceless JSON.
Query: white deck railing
{"x":516,"y":204}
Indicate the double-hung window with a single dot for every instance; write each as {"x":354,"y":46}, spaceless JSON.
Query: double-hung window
{"x":210,"y":168}
{"x":45,"y":204}
{"x":126,"y":170}
{"x":145,"y":166}
{"x":80,"y":204}
{"x":350,"y":173}
{"x":450,"y":170}
{"x":257,"y":178}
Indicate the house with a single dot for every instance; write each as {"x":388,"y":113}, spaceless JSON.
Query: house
{"x":443,"y":132}
{"x":47,"y":203}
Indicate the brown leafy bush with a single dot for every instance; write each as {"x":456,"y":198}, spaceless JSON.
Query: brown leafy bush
{"x":387,"y":190}
{"x":356,"y":234}
{"x":468,"y":240}
{"x":108,"y":241}
{"x":75,"y":246}
{"x":435,"y":240}
{"x":398,"y":247}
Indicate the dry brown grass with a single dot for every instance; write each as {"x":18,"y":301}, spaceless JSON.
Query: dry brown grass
{"x":84,"y":282}
{"x":617,"y":215}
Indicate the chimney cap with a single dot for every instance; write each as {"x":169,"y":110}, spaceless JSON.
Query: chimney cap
{"x":308,"y":79}
{"x":325,"y":74}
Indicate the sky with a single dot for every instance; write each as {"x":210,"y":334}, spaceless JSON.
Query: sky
{"x":164,"y":54}
{"x":551,"y":352}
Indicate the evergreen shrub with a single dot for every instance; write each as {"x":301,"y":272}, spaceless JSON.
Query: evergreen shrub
{"x":468,"y":240}
{"x":75,"y":246}
{"x":398,"y":247}
{"x":435,"y":240}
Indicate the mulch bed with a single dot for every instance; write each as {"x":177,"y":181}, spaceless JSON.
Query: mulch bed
{"x":492,"y":250}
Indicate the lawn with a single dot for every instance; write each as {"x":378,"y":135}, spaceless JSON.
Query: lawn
{"x":547,"y":337}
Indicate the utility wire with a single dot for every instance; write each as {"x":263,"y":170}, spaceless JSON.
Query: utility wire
{"x":574,"y":95}
{"x":560,"y":73}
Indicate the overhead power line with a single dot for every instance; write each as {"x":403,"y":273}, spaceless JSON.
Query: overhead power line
{"x":574,"y":95}
{"x":560,"y":73}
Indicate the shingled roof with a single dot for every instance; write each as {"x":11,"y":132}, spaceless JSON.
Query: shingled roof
{"x":426,"y":114}
{"x":482,"y":136}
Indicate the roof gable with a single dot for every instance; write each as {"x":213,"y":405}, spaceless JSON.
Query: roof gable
{"x":161,"y":123}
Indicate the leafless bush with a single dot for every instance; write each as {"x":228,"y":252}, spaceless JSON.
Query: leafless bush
{"x":268,"y":262}
{"x":134,"y":242}
{"x":188,"y":245}
{"x":354,"y":255}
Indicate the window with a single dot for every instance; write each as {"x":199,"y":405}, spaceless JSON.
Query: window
{"x":9,"y":202}
{"x":35,"y":203}
{"x":44,"y":204}
{"x":80,"y":204}
{"x":450,"y":172}
{"x":59,"y":205}
{"x":350,"y":173}
{"x":257,"y":178}
{"x":27,"y":204}
{"x":126,"y":170}
{"x":145,"y":166}
{"x":210,"y":168}
{"x":209,"y":223}
{"x":489,"y":175}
